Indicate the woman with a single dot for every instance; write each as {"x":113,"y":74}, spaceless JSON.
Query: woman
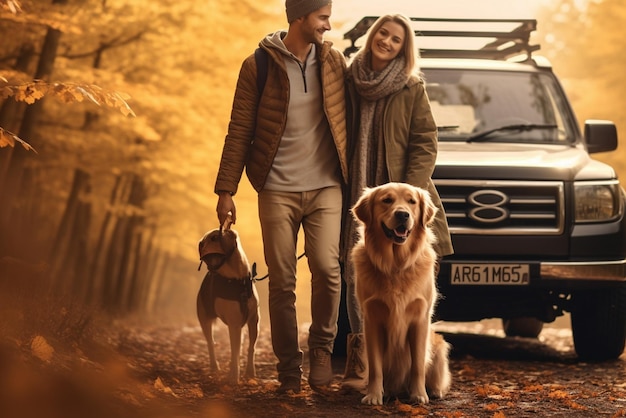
{"x":393,"y":138}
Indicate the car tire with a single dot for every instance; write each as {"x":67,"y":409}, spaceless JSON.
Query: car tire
{"x":526,"y":327}
{"x":599,"y":324}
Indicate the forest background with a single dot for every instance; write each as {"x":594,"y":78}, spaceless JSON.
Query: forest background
{"x":129,"y":119}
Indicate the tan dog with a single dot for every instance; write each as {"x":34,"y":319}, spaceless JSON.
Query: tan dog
{"x":394,"y":263}
{"x":228,"y":293}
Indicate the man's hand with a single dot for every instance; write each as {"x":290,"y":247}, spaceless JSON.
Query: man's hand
{"x":226,"y":204}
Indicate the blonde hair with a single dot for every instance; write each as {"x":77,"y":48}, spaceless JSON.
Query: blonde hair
{"x":409,"y":51}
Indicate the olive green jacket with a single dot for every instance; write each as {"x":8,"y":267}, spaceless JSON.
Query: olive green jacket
{"x":410,"y":138}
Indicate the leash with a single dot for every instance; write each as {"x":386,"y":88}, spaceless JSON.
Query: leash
{"x":254,"y":279}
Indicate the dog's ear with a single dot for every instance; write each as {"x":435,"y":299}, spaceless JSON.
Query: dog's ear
{"x":427,"y":207}
{"x":362,"y":208}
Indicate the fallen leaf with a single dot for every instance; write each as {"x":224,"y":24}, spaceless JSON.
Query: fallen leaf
{"x":160,"y":386}
{"x":402,"y":407}
{"x":41,"y":349}
{"x":196,"y":392}
{"x":574,"y":405}
{"x":488,"y":390}
{"x":558,"y":394}
{"x":491,"y":407}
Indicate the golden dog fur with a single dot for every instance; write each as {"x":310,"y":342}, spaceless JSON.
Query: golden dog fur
{"x":394,"y":263}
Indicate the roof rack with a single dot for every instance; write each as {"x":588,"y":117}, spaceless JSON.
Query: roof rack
{"x":506,"y":44}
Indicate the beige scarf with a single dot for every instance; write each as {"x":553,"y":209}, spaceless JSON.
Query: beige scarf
{"x":367,"y":165}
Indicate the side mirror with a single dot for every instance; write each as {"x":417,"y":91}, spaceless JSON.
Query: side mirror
{"x":600,"y":136}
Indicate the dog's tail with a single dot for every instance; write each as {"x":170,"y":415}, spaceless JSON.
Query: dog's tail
{"x":438,"y":378}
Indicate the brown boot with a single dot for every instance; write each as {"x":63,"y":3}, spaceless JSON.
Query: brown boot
{"x":321,"y":370}
{"x":355,"y":376}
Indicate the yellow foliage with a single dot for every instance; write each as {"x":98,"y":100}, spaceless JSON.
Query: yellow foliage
{"x":67,"y":93}
{"x":30,"y":92}
{"x":9,"y":139}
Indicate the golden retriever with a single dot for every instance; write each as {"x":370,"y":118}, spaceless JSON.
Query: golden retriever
{"x":394,"y":263}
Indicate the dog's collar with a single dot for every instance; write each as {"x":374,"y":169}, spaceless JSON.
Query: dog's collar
{"x":248,"y":277}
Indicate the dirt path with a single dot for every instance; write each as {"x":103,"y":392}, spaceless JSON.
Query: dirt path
{"x":58,"y":360}
{"x":162,"y":371}
{"x":493,"y":377}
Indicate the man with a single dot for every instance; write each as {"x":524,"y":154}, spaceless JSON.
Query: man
{"x":292,"y":142}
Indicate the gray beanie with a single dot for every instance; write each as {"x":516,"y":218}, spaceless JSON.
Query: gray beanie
{"x":299,"y":8}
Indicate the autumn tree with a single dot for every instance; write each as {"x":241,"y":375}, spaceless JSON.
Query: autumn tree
{"x":584,"y":42}
{"x":118,"y":204}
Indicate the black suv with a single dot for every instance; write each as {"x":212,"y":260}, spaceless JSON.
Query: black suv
{"x":538,"y":226}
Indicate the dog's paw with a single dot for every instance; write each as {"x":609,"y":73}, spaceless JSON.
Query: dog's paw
{"x":416,"y":399}
{"x":436,"y":394}
{"x":373,"y":399}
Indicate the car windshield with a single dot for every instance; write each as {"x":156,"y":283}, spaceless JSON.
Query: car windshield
{"x":498,"y":106}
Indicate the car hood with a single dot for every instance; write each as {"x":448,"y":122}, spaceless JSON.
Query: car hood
{"x":460,"y":160}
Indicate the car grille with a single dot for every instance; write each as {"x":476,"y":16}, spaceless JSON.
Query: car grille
{"x":502,"y":207}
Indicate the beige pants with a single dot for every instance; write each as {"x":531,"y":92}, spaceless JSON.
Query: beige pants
{"x":281,"y":214}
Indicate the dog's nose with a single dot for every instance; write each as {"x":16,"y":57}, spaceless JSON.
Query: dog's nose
{"x":401,"y":216}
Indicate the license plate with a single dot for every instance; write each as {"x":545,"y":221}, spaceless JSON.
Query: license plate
{"x":489,"y":274}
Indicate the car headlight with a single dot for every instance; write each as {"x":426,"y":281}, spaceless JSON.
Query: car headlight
{"x":597,"y":201}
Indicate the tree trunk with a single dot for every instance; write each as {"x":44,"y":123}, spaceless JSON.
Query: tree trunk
{"x":132,"y":237}
{"x":11,"y":111}
{"x":112,"y":245}
{"x":95,"y":290}
{"x":121,"y":262}
{"x":14,"y":189}
{"x":161,"y":264}
{"x":135,"y":278}
{"x":111,"y":272}
{"x":61,"y":254}
{"x":147,"y":261}
{"x":10,"y":118}
{"x":68,"y":259}
{"x":81,"y":252}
